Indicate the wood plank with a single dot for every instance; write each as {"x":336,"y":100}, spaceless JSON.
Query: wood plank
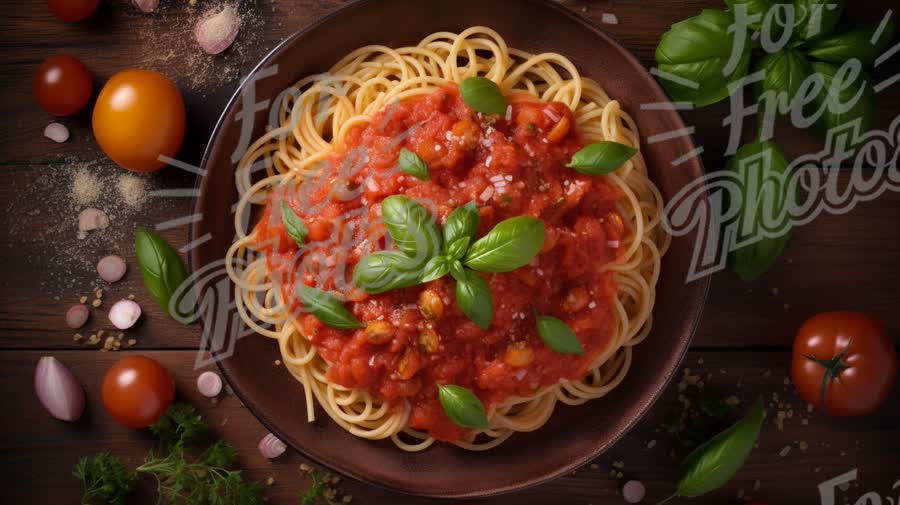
{"x":162,"y":42}
{"x":37,"y":448}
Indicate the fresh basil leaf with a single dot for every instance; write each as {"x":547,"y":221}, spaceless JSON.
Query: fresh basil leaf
{"x":386,"y":271}
{"x":295,"y":227}
{"x":785,"y":71}
{"x":327,"y":308}
{"x":601,"y":158}
{"x":838,"y":95}
{"x":457,"y":271}
{"x":483,"y":95}
{"x":755,"y":10}
{"x":474,"y":298}
{"x":714,"y":463}
{"x":816,"y":18}
{"x":512,"y":244}
{"x":162,"y":272}
{"x":436,"y":268}
{"x":458,"y":248}
{"x":698,"y":50}
{"x":413,"y":229}
{"x":751,"y":261}
{"x":855,"y":43}
{"x":413,"y":165}
{"x":462,"y":407}
{"x":558,"y":336}
{"x":462,"y":222}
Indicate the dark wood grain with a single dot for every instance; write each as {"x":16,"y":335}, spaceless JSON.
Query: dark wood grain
{"x":843,"y":261}
{"x":40,"y":449}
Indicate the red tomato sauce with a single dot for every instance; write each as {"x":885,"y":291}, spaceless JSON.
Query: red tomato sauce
{"x":512,"y":165}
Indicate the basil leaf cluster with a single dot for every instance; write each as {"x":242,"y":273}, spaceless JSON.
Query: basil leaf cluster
{"x":425,"y":253}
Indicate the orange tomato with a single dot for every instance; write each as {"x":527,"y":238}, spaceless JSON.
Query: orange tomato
{"x":139,"y":116}
{"x":137,"y":391}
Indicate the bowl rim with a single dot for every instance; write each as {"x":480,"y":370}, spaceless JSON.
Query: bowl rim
{"x":702,"y":284}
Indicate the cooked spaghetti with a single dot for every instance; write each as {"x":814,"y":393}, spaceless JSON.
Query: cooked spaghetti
{"x":332,"y":158}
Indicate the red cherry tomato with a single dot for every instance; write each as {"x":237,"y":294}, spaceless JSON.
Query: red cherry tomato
{"x":139,"y":115}
{"x":137,"y":391}
{"x":62,"y":85}
{"x":844,"y":363}
{"x":72,"y":10}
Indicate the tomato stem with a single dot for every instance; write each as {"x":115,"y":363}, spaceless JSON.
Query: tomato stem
{"x":833,"y":369}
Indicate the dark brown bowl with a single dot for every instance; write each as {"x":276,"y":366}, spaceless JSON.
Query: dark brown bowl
{"x":574,"y":435}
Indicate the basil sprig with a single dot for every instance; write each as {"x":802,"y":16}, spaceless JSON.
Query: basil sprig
{"x":411,"y":226}
{"x":327,"y":308}
{"x":483,"y":95}
{"x":601,"y":158}
{"x":295,"y":227}
{"x":697,"y":51}
{"x":162,"y":272}
{"x":751,"y":261}
{"x":386,"y":271}
{"x":474,"y":298}
{"x":513,"y":243}
{"x":714,"y":463}
{"x":837,"y":99}
{"x":816,"y":18}
{"x":462,"y":407}
{"x":852,"y":44}
{"x":785,"y":71}
{"x":558,"y":336}
{"x":413,"y":165}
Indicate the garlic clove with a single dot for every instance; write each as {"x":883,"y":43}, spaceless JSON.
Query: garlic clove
{"x":92,"y":219}
{"x":56,"y":132}
{"x":124,"y":313}
{"x":216,"y":31}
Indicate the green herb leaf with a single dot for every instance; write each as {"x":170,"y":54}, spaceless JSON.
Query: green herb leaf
{"x":698,"y":50}
{"x":838,"y":97}
{"x":483,"y":95}
{"x":436,"y":268}
{"x":852,"y":44}
{"x":816,"y":18}
{"x":386,"y":271}
{"x":714,"y":463}
{"x":411,"y":226}
{"x":316,"y":490}
{"x":753,"y":260}
{"x":462,"y":407}
{"x":458,"y":248}
{"x":755,"y":10}
{"x":413,"y":165}
{"x":181,"y":424}
{"x":457,"y":271}
{"x":512,"y":244}
{"x":162,"y":272}
{"x":105,"y":479}
{"x":327,"y":308}
{"x":785,"y":71}
{"x":461,"y":223}
{"x":558,"y":336}
{"x":601,"y":158}
{"x":293,"y":225}
{"x":474,"y":298}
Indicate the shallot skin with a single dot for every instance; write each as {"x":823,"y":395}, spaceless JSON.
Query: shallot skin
{"x":58,"y":390}
{"x":271,"y":447}
{"x":111,"y":268}
{"x":77,"y":316}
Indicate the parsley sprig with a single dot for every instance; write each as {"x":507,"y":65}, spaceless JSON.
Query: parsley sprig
{"x":184,"y":473}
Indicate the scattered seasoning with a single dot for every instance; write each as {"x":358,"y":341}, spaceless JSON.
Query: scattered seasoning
{"x":784,"y":452}
{"x":97,"y":302}
{"x":131,"y":342}
{"x":83,"y":299}
{"x":277,"y":362}
{"x":85,"y":186}
{"x":132,"y":190}
{"x":270,"y":481}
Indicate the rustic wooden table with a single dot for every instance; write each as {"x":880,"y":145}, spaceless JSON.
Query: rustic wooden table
{"x":742,"y":346}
